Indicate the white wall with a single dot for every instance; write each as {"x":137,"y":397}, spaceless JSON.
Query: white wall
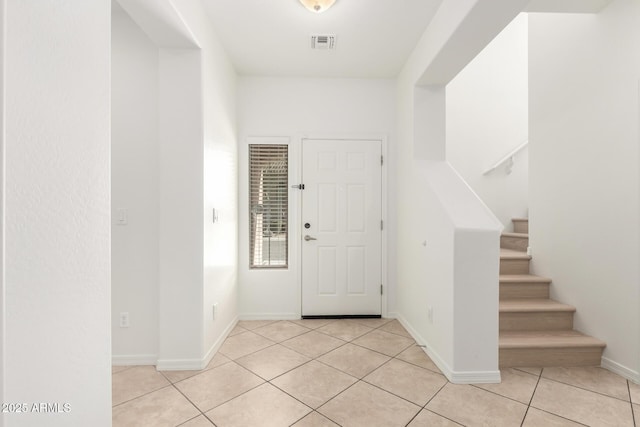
{"x":291,"y":108}
{"x":584,"y":170}
{"x":2,"y":189}
{"x":219,"y":162}
{"x":134,"y":187}
{"x":447,"y":239}
{"x":181,"y":183}
{"x":57,"y":211}
{"x":487,"y":117}
{"x":175,"y":162}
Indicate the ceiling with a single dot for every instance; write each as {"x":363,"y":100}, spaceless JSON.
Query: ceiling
{"x":272,"y":37}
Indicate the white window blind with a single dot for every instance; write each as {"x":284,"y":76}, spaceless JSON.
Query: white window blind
{"x":269,"y":205}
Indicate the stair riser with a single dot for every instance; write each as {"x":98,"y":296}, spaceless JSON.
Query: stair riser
{"x":547,"y":357}
{"x":536,"y":321}
{"x":515,"y":243}
{"x":514,"y":266}
{"x":524,"y":290}
{"x":520,"y":226}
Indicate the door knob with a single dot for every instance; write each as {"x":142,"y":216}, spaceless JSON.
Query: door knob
{"x":307,"y":238}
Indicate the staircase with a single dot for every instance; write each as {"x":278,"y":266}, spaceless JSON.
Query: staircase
{"x":535,"y":330}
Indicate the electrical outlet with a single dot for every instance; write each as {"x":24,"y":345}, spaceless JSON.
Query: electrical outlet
{"x":214,"y":309}
{"x":124,"y":319}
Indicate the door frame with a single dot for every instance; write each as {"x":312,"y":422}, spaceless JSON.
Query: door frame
{"x":297,"y":235}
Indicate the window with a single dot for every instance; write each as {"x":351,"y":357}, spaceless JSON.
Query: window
{"x":269,"y":205}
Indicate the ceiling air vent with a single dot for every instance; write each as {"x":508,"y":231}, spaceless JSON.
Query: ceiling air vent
{"x":323,"y":41}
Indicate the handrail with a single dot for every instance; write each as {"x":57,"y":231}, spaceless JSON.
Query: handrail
{"x":508,"y":157}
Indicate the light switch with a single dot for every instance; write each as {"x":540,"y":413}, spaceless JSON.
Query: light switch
{"x":121,"y":217}
{"x":215,"y":215}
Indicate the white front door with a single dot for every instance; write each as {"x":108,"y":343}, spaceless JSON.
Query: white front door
{"x":341,"y":227}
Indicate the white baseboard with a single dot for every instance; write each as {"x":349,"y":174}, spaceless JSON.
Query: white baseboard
{"x":621,"y":370}
{"x":218,"y":343}
{"x":134,"y":359}
{"x":392,"y":315}
{"x":465,"y":377}
{"x":179,"y":364}
{"x":475,"y":377}
{"x":269,"y":316}
{"x":196,"y":364}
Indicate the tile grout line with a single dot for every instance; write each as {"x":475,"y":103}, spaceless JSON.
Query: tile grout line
{"x":531,"y":399}
{"x":172,"y":384}
{"x":424,"y":408}
{"x":495,"y":393}
{"x":142,"y":395}
{"x":586,"y":389}
{"x":194,"y":405}
{"x":339,"y":370}
{"x":540,"y":377}
{"x":357,"y":380}
{"x":347,"y":388}
{"x":633,"y":415}
{"x":560,"y":416}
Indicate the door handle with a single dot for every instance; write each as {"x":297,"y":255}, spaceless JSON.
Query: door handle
{"x":307,"y":238}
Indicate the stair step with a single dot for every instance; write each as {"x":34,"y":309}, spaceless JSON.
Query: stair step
{"x":549,"y":348}
{"x":535,"y":315}
{"x":515,"y":241}
{"x":518,"y":286}
{"x":514,"y":262}
{"x":520,"y":225}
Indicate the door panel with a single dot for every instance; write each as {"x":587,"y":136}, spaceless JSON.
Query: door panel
{"x":342,"y":203}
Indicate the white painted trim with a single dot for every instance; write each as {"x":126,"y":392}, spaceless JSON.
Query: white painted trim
{"x":476,"y":377}
{"x":3,"y":110}
{"x":134,"y":359}
{"x":218,"y":343}
{"x":179,"y":365}
{"x":196,"y":364}
{"x":297,"y":142}
{"x":435,"y":357}
{"x":470,"y":377}
{"x":297,"y":147}
{"x":621,"y":370}
{"x":266,"y":275}
{"x":269,"y":316}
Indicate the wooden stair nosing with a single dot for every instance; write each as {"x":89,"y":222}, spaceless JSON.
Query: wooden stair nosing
{"x":515,"y":235}
{"x":547,"y":339}
{"x":548,"y":348}
{"x":530,"y":314}
{"x":510,"y":254}
{"x":534,"y":305}
{"x":523,"y":278}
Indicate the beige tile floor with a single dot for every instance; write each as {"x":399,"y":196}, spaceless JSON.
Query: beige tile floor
{"x":358,"y":372}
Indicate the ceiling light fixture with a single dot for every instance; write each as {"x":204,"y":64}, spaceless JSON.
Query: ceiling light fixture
{"x":317,"y":6}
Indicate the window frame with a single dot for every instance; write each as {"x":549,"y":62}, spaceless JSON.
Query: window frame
{"x":255,"y":226}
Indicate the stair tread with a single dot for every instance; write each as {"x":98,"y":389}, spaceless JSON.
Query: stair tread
{"x":530,"y":305}
{"x":547,"y":339}
{"x":523,"y":278}
{"x":512,"y":254}
{"x":520,"y":219}
{"x":511,"y":234}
